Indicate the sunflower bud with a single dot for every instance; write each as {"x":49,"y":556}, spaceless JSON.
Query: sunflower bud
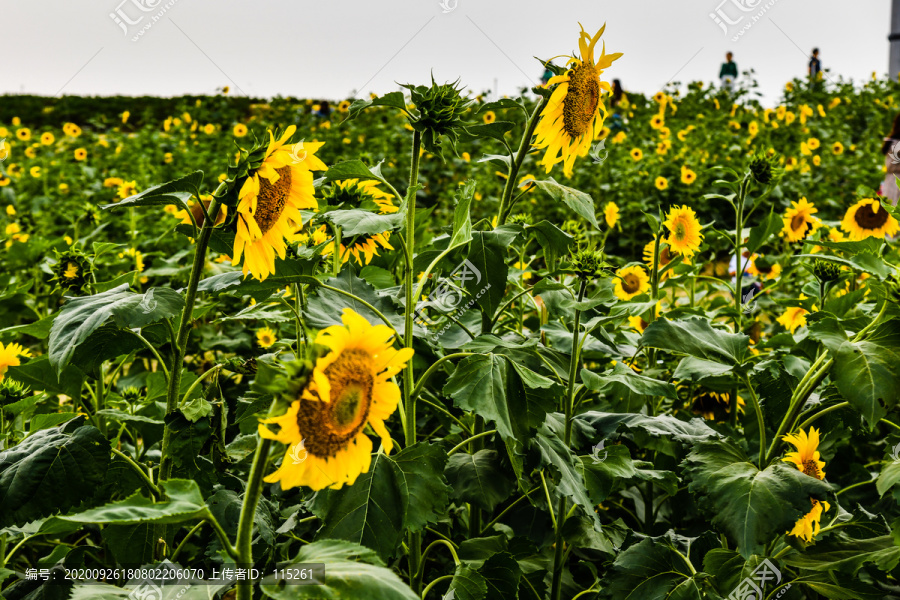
{"x":439,"y":111}
{"x":520,"y":219}
{"x":132,"y":394}
{"x":71,"y":270}
{"x":12,"y":391}
{"x":588,"y":263}
{"x":763,"y":169}
{"x":826,"y":271}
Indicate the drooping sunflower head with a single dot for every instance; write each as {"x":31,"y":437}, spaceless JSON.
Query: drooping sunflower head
{"x":799,"y":220}
{"x":350,"y":388}
{"x":807,"y":527}
{"x":806,"y":455}
{"x":684,"y":231}
{"x":867,"y":218}
{"x":574,"y":114}
{"x":714,"y":405}
{"x":365,"y":194}
{"x":277,"y":184}
{"x":630,"y":282}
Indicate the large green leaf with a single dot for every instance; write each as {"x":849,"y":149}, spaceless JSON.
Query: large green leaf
{"x":552,"y":239}
{"x":652,"y":569}
{"x":696,"y":337}
{"x":752,"y":506}
{"x":397,"y":494}
{"x":569,"y":475}
{"x":661,"y":432}
{"x":346,"y":576}
{"x":82,"y":316}
{"x":867,"y":373}
{"x":479,"y":478}
{"x":581,"y":203}
{"x":486,"y":271}
{"x":183,"y":503}
{"x":467,"y":584}
{"x":640,"y":384}
{"x":848,"y":555}
{"x":501,"y":573}
{"x":325,"y":307}
{"x":889,"y":477}
{"x":40,"y":375}
{"x":357,"y":221}
{"x":486,"y":385}
{"x":50,"y":471}
{"x":177,"y":191}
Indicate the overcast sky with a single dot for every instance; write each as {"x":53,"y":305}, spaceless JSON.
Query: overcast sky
{"x":333,"y":48}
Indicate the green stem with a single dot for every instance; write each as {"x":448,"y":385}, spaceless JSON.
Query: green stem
{"x":336,"y":254}
{"x":421,"y":571}
{"x":244,"y":542}
{"x":822,"y":413}
{"x":556,"y":585}
{"x":433,"y":583}
{"x":140,"y":471}
{"x":855,"y":485}
{"x":511,"y":505}
{"x":199,"y":381}
{"x":409,"y":402}
{"x":425,"y":376}
{"x":184,"y":541}
{"x":153,"y":350}
{"x":759,"y":420}
{"x":465,"y":442}
{"x":516,"y":166}
{"x":184,"y":329}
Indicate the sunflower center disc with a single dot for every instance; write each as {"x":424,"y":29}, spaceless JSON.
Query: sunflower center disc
{"x":630,"y":284}
{"x":811,"y":468}
{"x":330,"y":427}
{"x":869,"y":219}
{"x":272,"y":198}
{"x":582,"y":100}
{"x":797,"y":222}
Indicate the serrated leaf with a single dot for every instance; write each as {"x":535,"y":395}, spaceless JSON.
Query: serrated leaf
{"x":581,"y":203}
{"x":81,"y":316}
{"x":479,"y":478}
{"x":183,"y":503}
{"x":177,"y":191}
{"x":51,"y":471}
{"x":867,"y":373}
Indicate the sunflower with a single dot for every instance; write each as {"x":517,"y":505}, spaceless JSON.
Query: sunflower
{"x":80,"y":154}
{"x":9,"y":357}
{"x":638,"y":324}
{"x":799,"y":220}
{"x":344,"y":105}
{"x":807,"y":459}
{"x":489,"y":117}
{"x":636,"y":154}
{"x":813,"y":143}
{"x":687,"y":176}
{"x":354,"y":192}
{"x":684,"y":231}
{"x":240,"y":130}
{"x":631,"y":282}
{"x":4,"y":150}
{"x":794,"y":317}
{"x":23,"y":134}
{"x":47,"y":139}
{"x":350,"y":387}
{"x":611,"y":214}
{"x":269,"y":203}
{"x":127,"y":188}
{"x":265,"y":337}
{"x":761,"y":270}
{"x":708,"y":402}
{"x":867,"y":218}
{"x":575,"y":112}
{"x":837,"y":148}
{"x":661,"y":183}
{"x":657,"y":122}
{"x":666,"y":258}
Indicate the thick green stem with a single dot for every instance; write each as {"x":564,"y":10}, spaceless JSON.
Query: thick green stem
{"x":516,"y":166}
{"x":244,"y":542}
{"x":556,"y":586}
{"x":409,"y":402}
{"x":184,"y":330}
{"x":759,"y":420}
{"x":140,"y":472}
{"x":434,"y":367}
{"x":738,"y":276}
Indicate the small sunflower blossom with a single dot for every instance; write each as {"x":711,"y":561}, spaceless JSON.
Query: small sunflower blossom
{"x":630,"y":282}
{"x":9,"y":357}
{"x":807,"y":459}
{"x":684,"y":231}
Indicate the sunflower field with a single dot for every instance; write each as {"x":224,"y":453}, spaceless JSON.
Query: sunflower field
{"x":424,"y":345}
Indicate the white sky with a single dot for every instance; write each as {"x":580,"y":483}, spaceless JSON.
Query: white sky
{"x":330,"y":48}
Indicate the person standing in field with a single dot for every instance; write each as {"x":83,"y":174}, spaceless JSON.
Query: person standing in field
{"x":815,"y":65}
{"x":891,"y":151}
{"x":729,"y":71}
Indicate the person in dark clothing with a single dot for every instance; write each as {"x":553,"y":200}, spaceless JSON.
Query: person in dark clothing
{"x":729,"y":71}
{"x":815,"y":65}
{"x":616,"y":93}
